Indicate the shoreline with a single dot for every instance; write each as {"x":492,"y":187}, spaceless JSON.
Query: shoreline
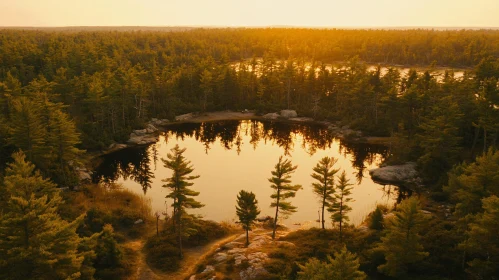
{"x":232,"y":115}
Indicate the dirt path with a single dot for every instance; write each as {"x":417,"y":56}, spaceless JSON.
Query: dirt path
{"x":192,"y":257}
{"x":143,"y":271}
{"x":196,"y":255}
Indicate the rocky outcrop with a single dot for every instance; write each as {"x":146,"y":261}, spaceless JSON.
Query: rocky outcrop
{"x":288,"y":114}
{"x":271,"y":116}
{"x":159,"y":122}
{"x":345,"y":132}
{"x":396,"y":174}
{"x":142,"y":139}
{"x":184,"y":117}
{"x":248,"y":262}
{"x":84,"y":174}
{"x":301,"y":119}
{"x":144,"y":136}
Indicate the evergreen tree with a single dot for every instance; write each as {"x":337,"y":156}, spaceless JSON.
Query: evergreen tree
{"x":26,"y":129}
{"x":35,"y":243}
{"x":108,"y":253}
{"x":179,"y":184}
{"x":344,"y":266}
{"x":281,"y":183}
{"x":470,"y":183}
{"x":247,"y":210}
{"x":376,"y":221}
{"x":324,"y":188}
{"x":401,"y":243}
{"x":483,"y":242}
{"x":62,"y":140}
{"x":339,"y":208}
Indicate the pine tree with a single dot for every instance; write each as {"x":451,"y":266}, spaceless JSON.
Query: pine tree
{"x":324,"y":188}
{"x":470,"y":183}
{"x":281,"y":183}
{"x":376,"y":221}
{"x":107,"y":251}
{"x":179,"y":184}
{"x":344,"y":266}
{"x":62,"y":140}
{"x":26,"y":130}
{"x":339,"y":208}
{"x":483,"y":242}
{"x":35,"y":243}
{"x":401,"y":243}
{"x":247,"y":210}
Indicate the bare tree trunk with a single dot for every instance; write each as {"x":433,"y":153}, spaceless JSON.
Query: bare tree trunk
{"x":276,"y":212}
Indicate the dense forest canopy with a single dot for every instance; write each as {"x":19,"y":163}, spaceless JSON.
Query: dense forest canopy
{"x":62,"y":93}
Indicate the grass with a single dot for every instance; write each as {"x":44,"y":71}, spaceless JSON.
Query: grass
{"x":109,"y":205}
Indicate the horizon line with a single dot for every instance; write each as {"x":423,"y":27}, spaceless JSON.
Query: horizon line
{"x":256,"y":26}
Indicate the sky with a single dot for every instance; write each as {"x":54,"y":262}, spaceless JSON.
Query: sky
{"x":233,"y":13}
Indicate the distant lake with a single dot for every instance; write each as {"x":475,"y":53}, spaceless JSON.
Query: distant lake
{"x":234,"y":155}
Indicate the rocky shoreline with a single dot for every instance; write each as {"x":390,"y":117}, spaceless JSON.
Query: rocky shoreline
{"x":150,"y":134}
{"x":400,"y":175}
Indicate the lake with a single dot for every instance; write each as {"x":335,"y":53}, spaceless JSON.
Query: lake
{"x":234,"y":155}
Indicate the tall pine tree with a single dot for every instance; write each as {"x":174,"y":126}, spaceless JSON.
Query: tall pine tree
{"x":324,"y":187}
{"x":339,"y":208}
{"x":35,"y":243}
{"x":401,"y":243}
{"x":179,"y":184}
{"x":281,"y":183}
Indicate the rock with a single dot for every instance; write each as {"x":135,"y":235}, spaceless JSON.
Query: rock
{"x":116,"y":147}
{"x":193,"y":277}
{"x":253,"y":272}
{"x":257,"y":257}
{"x":208,"y":269}
{"x":236,"y":251}
{"x":220,"y":257}
{"x":232,"y":245}
{"x":395,"y":174}
{"x":288,"y":114}
{"x":151,"y":129}
{"x":139,"y":221}
{"x":302,"y":119}
{"x":271,"y":116}
{"x":285,"y":244}
{"x":239,"y":258}
{"x":161,"y":122}
{"x":259,"y":241}
{"x":84,"y":175}
{"x":142,"y":140}
{"x":139,"y":132}
{"x":184,"y":117}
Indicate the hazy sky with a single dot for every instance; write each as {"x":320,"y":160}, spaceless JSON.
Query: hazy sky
{"x":340,"y":13}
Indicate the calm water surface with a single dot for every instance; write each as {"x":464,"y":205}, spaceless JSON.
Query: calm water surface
{"x":234,"y":155}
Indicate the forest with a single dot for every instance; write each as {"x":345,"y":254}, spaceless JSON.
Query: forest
{"x":66,"y":96}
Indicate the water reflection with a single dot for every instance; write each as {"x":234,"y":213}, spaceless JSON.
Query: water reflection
{"x":131,"y":163}
{"x":257,"y":145}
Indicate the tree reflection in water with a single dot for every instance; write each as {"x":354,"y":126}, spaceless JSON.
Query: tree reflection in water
{"x":135,"y":163}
